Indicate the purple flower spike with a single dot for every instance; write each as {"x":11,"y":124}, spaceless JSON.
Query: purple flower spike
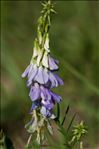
{"x":40,"y":79}
{"x":35,"y":92}
{"x":52,"y":64}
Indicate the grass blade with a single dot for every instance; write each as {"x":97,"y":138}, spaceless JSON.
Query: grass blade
{"x":71,"y":122}
{"x":66,"y":112}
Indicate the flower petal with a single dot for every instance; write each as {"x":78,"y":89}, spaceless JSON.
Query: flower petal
{"x":45,"y":76}
{"x":25,"y":73}
{"x":44,"y":111}
{"x":47,"y":103}
{"x":48,"y":95}
{"x":52,"y":116}
{"x":39,"y":77}
{"x":42,"y":76}
{"x":56,"y":97}
{"x":35,"y":92}
{"x":52,"y":64}
{"x":53,"y":80}
{"x":33,"y":73}
{"x":47,"y":113}
{"x":60,"y":81}
{"x":35,"y":104}
{"x":45,"y":93}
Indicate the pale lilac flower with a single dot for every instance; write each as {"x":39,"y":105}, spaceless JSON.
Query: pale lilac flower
{"x":49,"y":95}
{"x":42,"y":76}
{"x":25,"y":73}
{"x":52,"y":63}
{"x":32,"y":73}
{"x":48,"y":104}
{"x":35,"y":92}
{"x":55,"y":80}
{"x":60,"y":81}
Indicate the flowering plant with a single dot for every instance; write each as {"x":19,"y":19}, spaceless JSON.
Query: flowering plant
{"x":41,"y":78}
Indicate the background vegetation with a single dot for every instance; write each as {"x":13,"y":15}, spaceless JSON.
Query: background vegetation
{"x":74,"y":41}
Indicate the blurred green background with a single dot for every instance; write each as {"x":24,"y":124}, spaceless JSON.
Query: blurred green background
{"x":74,"y":40}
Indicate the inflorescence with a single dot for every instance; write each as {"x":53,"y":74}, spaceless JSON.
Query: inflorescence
{"x":41,"y":77}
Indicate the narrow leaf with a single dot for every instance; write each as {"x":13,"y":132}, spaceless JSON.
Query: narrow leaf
{"x":71,"y":122}
{"x":58,"y":113}
{"x":66,"y":112}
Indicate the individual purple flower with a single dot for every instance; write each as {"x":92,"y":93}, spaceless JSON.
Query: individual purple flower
{"x":48,"y":104}
{"x":31,"y":75}
{"x":46,"y":99}
{"x":52,"y":63}
{"x":30,"y":72}
{"x":42,"y":76}
{"x":25,"y":73}
{"x":60,"y":81}
{"x":49,"y":95}
{"x":55,"y":97}
{"x":55,"y":80}
{"x":45,"y":93}
{"x":47,"y":113}
{"x":35,"y":92}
